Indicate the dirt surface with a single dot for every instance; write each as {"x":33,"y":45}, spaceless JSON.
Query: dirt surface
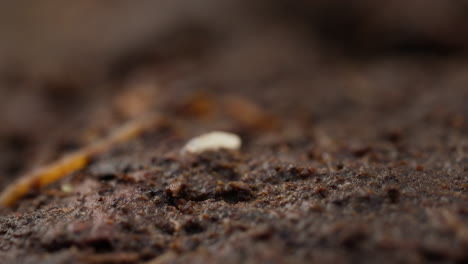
{"x":345,"y":159}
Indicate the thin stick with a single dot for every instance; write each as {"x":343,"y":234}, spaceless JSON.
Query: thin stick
{"x":74,"y":161}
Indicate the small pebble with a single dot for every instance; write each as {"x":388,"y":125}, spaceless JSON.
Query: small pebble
{"x":213,"y":141}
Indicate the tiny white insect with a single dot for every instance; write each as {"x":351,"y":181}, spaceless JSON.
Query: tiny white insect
{"x":213,"y":141}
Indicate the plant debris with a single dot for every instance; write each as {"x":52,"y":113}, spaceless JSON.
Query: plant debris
{"x":72,"y":162}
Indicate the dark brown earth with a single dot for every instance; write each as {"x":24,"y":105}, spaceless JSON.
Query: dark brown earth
{"x":345,"y":158}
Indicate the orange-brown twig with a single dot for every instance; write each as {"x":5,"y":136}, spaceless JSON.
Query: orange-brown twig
{"x":74,"y":161}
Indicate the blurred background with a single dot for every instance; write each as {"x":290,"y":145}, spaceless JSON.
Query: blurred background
{"x":70,"y":70}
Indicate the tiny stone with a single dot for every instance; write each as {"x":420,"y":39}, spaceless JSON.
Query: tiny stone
{"x":213,"y":141}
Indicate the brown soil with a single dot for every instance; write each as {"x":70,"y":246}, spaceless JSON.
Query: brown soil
{"x":344,"y":159}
